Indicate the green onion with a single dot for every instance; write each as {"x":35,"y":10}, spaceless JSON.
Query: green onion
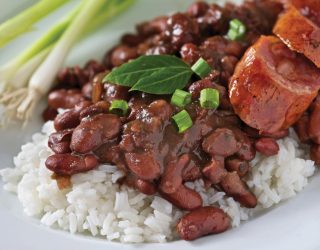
{"x":209,"y":98}
{"x":237,"y":30}
{"x":183,"y":121}
{"x":119,"y":107}
{"x":181,"y":98}
{"x":24,"y":21}
{"x":201,"y":68}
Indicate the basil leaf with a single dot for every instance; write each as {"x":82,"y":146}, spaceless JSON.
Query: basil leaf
{"x":164,"y":81}
{"x":155,"y":74}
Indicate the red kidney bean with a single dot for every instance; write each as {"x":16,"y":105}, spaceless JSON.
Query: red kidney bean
{"x":182,"y":29}
{"x":198,"y":9}
{"x":189,"y":53}
{"x":70,"y":118}
{"x":314,"y":122}
{"x":201,"y":222}
{"x":101,"y":107}
{"x":215,"y":170}
{"x":171,"y":179}
{"x":59,"y":141}
{"x":86,"y":90}
{"x":131,"y":40}
{"x":221,"y":142}
{"x":301,"y":128}
{"x":185,"y":198}
{"x":238,"y":165}
{"x":145,"y":187}
{"x":95,"y":131}
{"x":267,"y":146}
{"x":236,"y":188}
{"x":315,"y":153}
{"x":68,"y":164}
{"x":115,"y":92}
{"x":123,"y":54}
{"x":157,"y":25}
{"x":143,"y":165}
{"x":63,"y":98}
{"x":49,"y":114}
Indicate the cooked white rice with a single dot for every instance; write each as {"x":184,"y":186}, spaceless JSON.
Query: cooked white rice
{"x":95,"y":204}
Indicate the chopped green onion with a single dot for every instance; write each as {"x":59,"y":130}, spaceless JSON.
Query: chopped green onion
{"x":183,"y":121}
{"x":201,"y":68}
{"x":237,"y":30}
{"x":209,"y":98}
{"x":181,"y":98}
{"x":119,"y":107}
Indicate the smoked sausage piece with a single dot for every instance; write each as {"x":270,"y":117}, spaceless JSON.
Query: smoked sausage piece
{"x":299,"y":28}
{"x":272,"y":86}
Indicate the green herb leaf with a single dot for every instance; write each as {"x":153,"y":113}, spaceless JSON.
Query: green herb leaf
{"x":156,"y":74}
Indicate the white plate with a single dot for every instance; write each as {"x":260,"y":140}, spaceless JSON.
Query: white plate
{"x":292,"y":225}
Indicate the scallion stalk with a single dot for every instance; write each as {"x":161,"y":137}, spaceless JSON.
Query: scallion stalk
{"x":24,"y":21}
{"x":41,"y":81}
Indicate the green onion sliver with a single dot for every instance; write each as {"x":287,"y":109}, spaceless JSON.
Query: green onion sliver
{"x":181,"y":98}
{"x":237,"y":30}
{"x":119,"y":107}
{"x":201,"y":68}
{"x":209,"y":98}
{"x":182,"y":120}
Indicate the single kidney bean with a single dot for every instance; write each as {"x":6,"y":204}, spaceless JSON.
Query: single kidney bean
{"x":143,"y":165}
{"x":59,"y":141}
{"x":68,"y":164}
{"x":267,"y":146}
{"x":314,"y":123}
{"x":145,"y":187}
{"x":184,"y":198}
{"x":157,"y":25}
{"x":123,"y":54}
{"x":171,"y":179}
{"x":190,"y":53}
{"x":221,"y":142}
{"x":49,"y":114}
{"x":301,"y":128}
{"x":240,"y":166}
{"x":86,"y":91}
{"x":132,"y":40}
{"x":115,"y":92}
{"x":215,"y":170}
{"x":201,"y":222}
{"x":63,"y":98}
{"x":95,"y":131}
{"x":236,"y":188}
{"x":315,"y":153}
{"x":70,"y":118}
{"x":101,"y":107}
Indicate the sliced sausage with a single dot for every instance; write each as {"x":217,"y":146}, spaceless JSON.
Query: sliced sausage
{"x":272,"y":86}
{"x":299,"y":28}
